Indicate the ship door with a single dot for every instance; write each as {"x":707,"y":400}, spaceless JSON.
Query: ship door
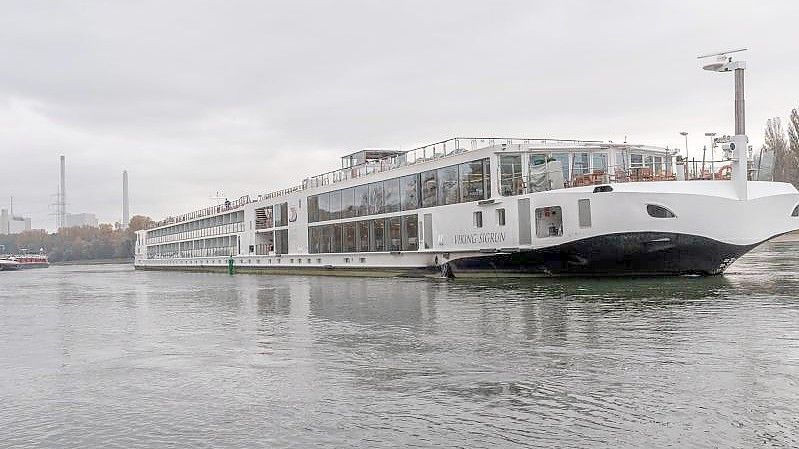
{"x":525,"y":228}
{"x":428,"y":231}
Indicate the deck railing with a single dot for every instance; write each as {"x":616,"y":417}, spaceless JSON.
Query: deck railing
{"x":211,"y":210}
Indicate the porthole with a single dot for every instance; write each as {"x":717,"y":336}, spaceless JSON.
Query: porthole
{"x":659,"y":211}
{"x":795,"y":212}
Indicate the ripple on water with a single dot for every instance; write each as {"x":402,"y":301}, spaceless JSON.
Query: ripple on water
{"x":105,"y":356}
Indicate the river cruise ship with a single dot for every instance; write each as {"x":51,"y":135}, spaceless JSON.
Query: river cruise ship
{"x":487,"y":206}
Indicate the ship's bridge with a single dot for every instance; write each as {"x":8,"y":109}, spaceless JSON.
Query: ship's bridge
{"x":367,"y":156}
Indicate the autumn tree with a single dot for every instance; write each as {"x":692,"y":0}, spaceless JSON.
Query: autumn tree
{"x":793,"y":144}
{"x":775,"y":142}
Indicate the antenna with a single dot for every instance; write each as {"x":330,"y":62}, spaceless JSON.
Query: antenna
{"x":721,"y":53}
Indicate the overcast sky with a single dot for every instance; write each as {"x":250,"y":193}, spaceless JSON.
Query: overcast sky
{"x":252,"y":96}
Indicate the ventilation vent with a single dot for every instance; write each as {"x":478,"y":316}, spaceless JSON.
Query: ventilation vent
{"x":659,"y":211}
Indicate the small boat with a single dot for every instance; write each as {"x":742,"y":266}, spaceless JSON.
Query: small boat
{"x":31,"y":261}
{"x":9,"y":265}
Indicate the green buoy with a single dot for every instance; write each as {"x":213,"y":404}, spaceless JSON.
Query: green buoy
{"x":230,"y":268}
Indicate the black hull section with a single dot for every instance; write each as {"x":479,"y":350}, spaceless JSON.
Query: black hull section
{"x":628,"y":254}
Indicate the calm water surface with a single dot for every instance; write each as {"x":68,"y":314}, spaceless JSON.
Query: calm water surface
{"x":108,"y":357}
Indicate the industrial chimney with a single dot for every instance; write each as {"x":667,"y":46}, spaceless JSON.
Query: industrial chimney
{"x":62,"y":196}
{"x":125,"y":201}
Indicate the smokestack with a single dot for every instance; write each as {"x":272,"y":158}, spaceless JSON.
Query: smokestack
{"x":62,"y":206}
{"x":125,"y":201}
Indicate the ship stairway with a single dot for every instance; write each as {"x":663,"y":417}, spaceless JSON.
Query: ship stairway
{"x":260,"y":218}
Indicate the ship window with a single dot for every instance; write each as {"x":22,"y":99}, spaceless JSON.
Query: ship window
{"x":324,"y":206}
{"x":394,"y":233}
{"x":349,"y":237}
{"x":377,"y":234}
{"x":659,"y":211}
{"x":486,"y":178}
{"x":477,"y":219}
{"x":376,"y":198}
{"x":282,"y":214}
{"x":510,"y":176}
{"x":363,"y":236}
{"x":548,"y":222}
{"x":409,"y":191}
{"x":335,"y":238}
{"x":471,"y":181}
{"x":324,"y":239}
{"x":563,"y":158}
{"x":599,"y":162}
{"x":361,"y":200}
{"x":658,"y":161}
{"x":580,"y":164}
{"x":795,"y":212}
{"x":282,"y":241}
{"x":335,"y":205}
{"x":448,"y":192}
{"x":410,"y":233}
{"x":391,"y":195}
{"x":584,"y":212}
{"x":429,"y":189}
{"x":313,"y":239}
{"x":501,"y":217}
{"x":348,"y":203}
{"x":313,"y":209}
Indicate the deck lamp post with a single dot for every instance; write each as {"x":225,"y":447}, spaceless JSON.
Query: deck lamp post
{"x":712,"y":157}
{"x":721,"y":62}
{"x":685,"y":134}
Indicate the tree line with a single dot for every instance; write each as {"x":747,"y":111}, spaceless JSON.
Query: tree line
{"x":779,"y":155}
{"x":78,"y":243}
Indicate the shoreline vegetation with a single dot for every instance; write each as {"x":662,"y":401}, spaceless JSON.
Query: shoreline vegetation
{"x":85,"y":244}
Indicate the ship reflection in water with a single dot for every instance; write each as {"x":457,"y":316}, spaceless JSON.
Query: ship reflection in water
{"x":106,"y":356}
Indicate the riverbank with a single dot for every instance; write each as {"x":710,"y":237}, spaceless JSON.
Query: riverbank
{"x":120,"y":260}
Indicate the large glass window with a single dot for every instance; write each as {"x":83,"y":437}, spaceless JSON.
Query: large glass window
{"x":349,"y":237}
{"x":580,"y":164}
{"x":487,"y":178}
{"x":658,"y":162}
{"x":448,"y":192}
{"x":563,"y":158}
{"x":282,"y":214}
{"x":378,"y":235}
{"x":361,"y":200}
{"x":324,"y":239}
{"x":471,"y":181}
{"x":391,"y":195}
{"x":599,"y":162}
{"x":313,"y":239}
{"x":335,"y":238}
{"x":636,"y":160}
{"x":335,"y":205}
{"x":409,"y":192}
{"x":429,"y":189}
{"x":348,"y":203}
{"x":394,"y":233}
{"x":410,"y":233}
{"x":363,"y":235}
{"x":324,"y":206}
{"x":510,"y":174}
{"x":282,"y":241}
{"x":376,"y":198}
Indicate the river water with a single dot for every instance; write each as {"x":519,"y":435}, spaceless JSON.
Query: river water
{"x":104,"y":356}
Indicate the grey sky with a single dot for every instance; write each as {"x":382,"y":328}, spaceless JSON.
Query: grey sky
{"x":248,"y":97}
